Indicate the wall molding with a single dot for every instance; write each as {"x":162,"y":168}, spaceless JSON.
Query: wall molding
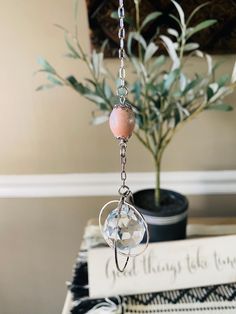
{"x":100,"y":184}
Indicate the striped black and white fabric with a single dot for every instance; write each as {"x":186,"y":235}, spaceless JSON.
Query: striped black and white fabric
{"x":219,"y":299}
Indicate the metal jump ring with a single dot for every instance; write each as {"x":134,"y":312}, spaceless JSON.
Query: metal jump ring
{"x":124,"y":190}
{"x":122,"y":100}
{"x":122,"y":91}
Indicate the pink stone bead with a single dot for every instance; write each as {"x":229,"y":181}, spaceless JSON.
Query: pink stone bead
{"x":122,"y":122}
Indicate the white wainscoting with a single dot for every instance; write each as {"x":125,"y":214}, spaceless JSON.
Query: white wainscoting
{"x":100,"y":184}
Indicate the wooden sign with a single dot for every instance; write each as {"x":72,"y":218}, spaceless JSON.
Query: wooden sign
{"x":164,"y":266}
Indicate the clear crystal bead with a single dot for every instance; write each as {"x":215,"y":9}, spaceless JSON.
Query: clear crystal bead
{"x":125,"y":227}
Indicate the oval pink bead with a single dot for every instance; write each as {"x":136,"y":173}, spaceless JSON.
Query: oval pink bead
{"x":122,"y":122}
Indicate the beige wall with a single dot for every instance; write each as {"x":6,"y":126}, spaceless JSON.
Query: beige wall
{"x":39,"y":241}
{"x":49,"y":132}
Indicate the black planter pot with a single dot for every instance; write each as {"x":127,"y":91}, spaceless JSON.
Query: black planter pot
{"x":168,"y":221}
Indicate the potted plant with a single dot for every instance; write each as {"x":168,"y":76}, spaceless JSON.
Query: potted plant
{"x":163,"y":96}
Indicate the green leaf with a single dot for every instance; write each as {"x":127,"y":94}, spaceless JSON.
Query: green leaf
{"x":104,"y":45}
{"x":221,"y":92}
{"x":54,"y":80}
{"x":183,"y":112}
{"x":196,"y":10}
{"x":233,"y":77}
{"x":198,"y":53}
{"x":71,"y":48}
{"x":139,"y":38}
{"x":223,"y":80}
{"x":127,"y":19}
{"x":107,"y":90}
{"x":79,"y":87}
{"x":214,"y":86}
{"x":182,"y":83}
{"x":191,"y":46}
{"x":150,"y":17}
{"x":171,"y":50}
{"x":95,"y":98}
{"x":220,"y":107}
{"x":173,"y":32}
{"x":136,"y":90}
{"x":45,"y":87}
{"x":97,"y":62}
{"x":209,"y":63}
{"x":46,"y":66}
{"x":158,"y":62}
{"x":180,"y":11}
{"x":170,"y":79}
{"x":200,"y":27}
{"x":210,"y":92}
{"x":139,"y":121}
{"x":136,"y":65}
{"x":154,"y":74}
{"x":191,"y":85}
{"x":99,"y":120}
{"x":178,"y":117}
{"x":94,"y":84}
{"x":150,"y":51}
{"x":62,"y":28}
{"x":114,"y":15}
{"x":176,"y":20}
{"x":70,"y":55}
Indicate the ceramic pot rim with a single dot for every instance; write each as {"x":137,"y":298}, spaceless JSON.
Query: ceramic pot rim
{"x":170,"y":220}
{"x":153,"y":218}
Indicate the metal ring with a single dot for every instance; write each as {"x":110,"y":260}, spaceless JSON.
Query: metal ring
{"x":122,"y":43}
{"x":122,"y":100}
{"x":123,"y":175}
{"x":121,"y":12}
{"x":121,"y":33}
{"x":110,"y":243}
{"x":122,"y":91}
{"x":124,"y":190}
{"x":121,"y":270}
{"x":122,"y":73}
{"x":121,"y":53}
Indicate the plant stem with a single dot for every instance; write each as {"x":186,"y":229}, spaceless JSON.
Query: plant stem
{"x":158,"y":180}
{"x":138,"y":27}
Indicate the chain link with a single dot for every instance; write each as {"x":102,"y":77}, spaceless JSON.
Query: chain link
{"x":122,"y":90}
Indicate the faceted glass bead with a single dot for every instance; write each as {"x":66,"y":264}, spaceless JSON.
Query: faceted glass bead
{"x":125,"y":227}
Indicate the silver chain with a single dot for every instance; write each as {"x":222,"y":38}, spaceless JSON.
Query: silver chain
{"x":124,"y":189}
{"x":122,"y":90}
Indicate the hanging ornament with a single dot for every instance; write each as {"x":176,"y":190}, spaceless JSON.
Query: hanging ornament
{"x":124,"y":228}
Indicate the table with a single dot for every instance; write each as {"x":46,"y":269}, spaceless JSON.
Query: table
{"x":204,"y":226}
